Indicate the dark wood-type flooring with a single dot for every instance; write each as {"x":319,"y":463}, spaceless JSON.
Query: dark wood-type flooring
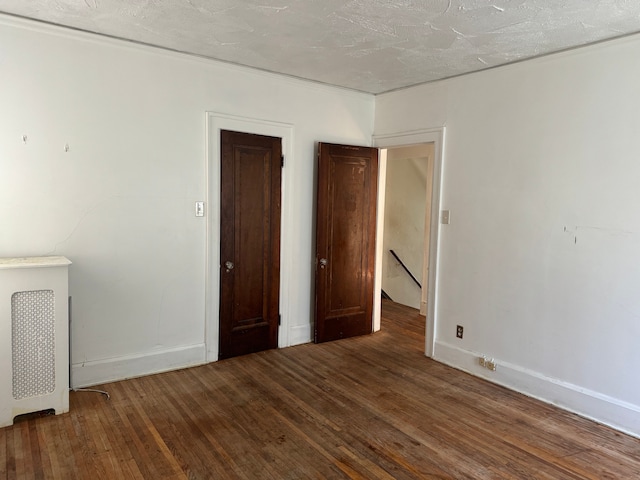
{"x":371,"y":407}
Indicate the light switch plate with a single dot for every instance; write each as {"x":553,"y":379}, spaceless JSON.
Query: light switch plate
{"x":199,"y":209}
{"x":445,"y":217}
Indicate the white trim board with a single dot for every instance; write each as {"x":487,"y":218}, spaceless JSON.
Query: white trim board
{"x":404,"y":139}
{"x":120,"y":368}
{"x":609,"y":411}
{"x":299,"y":335}
{"x":215,"y":123}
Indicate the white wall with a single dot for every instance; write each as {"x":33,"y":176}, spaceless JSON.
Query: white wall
{"x":540,"y":263}
{"x":120,"y":202}
{"x":404,"y":222}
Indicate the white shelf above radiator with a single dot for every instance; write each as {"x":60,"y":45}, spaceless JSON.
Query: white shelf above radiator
{"x":33,"y":262}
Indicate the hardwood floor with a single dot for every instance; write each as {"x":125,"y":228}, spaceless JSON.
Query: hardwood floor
{"x":370,"y":407}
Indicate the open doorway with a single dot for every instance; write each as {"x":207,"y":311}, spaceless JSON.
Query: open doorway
{"x":435,"y":137}
{"x":405,"y":261}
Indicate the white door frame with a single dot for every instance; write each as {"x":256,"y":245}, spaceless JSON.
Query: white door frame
{"x":404,"y":139}
{"x":215,"y":122}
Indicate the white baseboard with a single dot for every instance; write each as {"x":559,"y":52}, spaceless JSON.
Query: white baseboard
{"x":601,"y":408}
{"x":112,"y":369}
{"x":299,"y":335}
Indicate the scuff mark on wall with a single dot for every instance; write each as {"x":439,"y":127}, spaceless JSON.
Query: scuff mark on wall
{"x":605,"y":230}
{"x":611,"y":232}
{"x":79,"y":222}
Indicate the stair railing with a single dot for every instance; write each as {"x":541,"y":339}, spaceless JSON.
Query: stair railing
{"x":406,"y":269}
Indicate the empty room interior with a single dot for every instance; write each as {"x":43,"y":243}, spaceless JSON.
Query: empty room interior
{"x":338,"y":239}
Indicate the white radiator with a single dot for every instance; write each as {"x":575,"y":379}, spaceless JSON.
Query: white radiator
{"x":34,"y":336}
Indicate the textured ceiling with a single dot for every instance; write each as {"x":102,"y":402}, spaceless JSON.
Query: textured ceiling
{"x":367,"y":45}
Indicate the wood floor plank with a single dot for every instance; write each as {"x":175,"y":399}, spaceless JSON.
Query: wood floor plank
{"x":4,"y":458}
{"x":371,"y":407}
{"x":197,"y":422}
{"x":53,"y":466}
{"x":355,"y":428}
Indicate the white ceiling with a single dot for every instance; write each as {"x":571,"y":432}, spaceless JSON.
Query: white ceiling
{"x":367,"y":45}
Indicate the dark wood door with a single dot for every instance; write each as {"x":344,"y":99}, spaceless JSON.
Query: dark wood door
{"x":345,"y":241}
{"x":249,"y":243}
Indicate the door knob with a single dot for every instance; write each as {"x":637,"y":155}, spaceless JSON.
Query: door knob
{"x":323,"y":262}
{"x":229,"y":266}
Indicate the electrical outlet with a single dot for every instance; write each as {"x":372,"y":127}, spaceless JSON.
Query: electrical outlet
{"x":483,"y":361}
{"x":459,"y":331}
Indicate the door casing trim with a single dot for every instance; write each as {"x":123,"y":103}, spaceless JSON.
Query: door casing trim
{"x":215,"y":122}
{"x":404,"y":139}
